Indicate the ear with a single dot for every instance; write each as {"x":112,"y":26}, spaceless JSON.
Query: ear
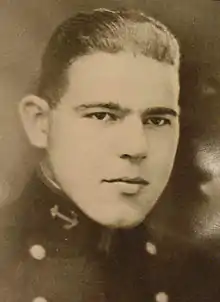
{"x":35,"y":113}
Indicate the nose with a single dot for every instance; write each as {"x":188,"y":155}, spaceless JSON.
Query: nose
{"x":133,"y":141}
{"x":136,"y":159}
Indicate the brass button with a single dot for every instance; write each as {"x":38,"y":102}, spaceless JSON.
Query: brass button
{"x":38,"y":252}
{"x":39,"y":299}
{"x":161,"y":297}
{"x":151,"y":248}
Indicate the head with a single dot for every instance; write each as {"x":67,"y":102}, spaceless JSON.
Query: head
{"x":106,"y":113}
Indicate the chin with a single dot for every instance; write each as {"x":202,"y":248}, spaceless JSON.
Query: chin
{"x":124,"y":223}
{"x":131,"y":224}
{"x":123,"y":218}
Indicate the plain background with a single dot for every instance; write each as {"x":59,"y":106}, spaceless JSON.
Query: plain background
{"x":25,"y":27}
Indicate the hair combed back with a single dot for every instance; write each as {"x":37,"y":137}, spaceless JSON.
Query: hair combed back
{"x":102,"y":30}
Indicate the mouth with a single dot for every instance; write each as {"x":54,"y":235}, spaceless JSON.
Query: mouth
{"x":128,"y":186}
{"x":135,"y":181}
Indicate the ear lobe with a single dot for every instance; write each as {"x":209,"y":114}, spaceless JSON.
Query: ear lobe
{"x":34,"y":113}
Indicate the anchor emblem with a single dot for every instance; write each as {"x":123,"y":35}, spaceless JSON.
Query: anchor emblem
{"x":70,"y":222}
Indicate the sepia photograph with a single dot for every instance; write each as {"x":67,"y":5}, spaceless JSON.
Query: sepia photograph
{"x":110,"y":151}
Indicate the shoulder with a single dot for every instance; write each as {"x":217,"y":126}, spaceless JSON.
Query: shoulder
{"x":184,"y":268}
{"x":12,"y":216}
{"x":15,"y":218}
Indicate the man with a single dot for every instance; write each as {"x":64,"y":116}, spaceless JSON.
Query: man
{"x":105,"y":112}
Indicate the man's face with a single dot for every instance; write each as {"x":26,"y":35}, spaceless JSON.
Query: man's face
{"x":113,"y":136}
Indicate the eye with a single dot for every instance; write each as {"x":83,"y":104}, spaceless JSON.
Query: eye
{"x":157,"y":121}
{"x":102,"y":116}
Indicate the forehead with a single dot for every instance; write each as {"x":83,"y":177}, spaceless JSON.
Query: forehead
{"x":132,"y":81}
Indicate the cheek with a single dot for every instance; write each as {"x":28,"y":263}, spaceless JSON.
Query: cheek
{"x":162,"y":152}
{"x":76,"y":146}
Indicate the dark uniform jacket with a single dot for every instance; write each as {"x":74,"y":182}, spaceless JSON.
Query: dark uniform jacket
{"x":168,"y":268}
{"x":162,"y":268}
{"x":181,"y":270}
{"x":49,"y":250}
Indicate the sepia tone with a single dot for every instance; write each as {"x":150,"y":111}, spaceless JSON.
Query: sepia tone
{"x":185,"y":221}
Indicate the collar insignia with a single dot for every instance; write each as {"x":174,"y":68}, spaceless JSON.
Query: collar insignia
{"x":70,"y":222}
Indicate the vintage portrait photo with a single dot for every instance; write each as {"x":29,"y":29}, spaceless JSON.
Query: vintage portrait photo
{"x":110,"y":151}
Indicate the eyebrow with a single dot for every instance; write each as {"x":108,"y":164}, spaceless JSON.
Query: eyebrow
{"x":117,"y":107}
{"x":161,"y":111}
{"x":108,"y":105}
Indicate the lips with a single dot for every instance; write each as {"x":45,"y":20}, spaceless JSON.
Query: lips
{"x":128,"y":180}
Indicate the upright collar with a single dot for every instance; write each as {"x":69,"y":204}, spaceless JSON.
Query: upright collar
{"x":44,"y":176}
{"x":54,"y":209}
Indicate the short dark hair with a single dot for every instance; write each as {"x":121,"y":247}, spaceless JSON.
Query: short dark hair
{"x":104,"y":30}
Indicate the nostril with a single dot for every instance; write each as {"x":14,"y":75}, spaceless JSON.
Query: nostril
{"x":125,"y":156}
{"x":134,"y":157}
